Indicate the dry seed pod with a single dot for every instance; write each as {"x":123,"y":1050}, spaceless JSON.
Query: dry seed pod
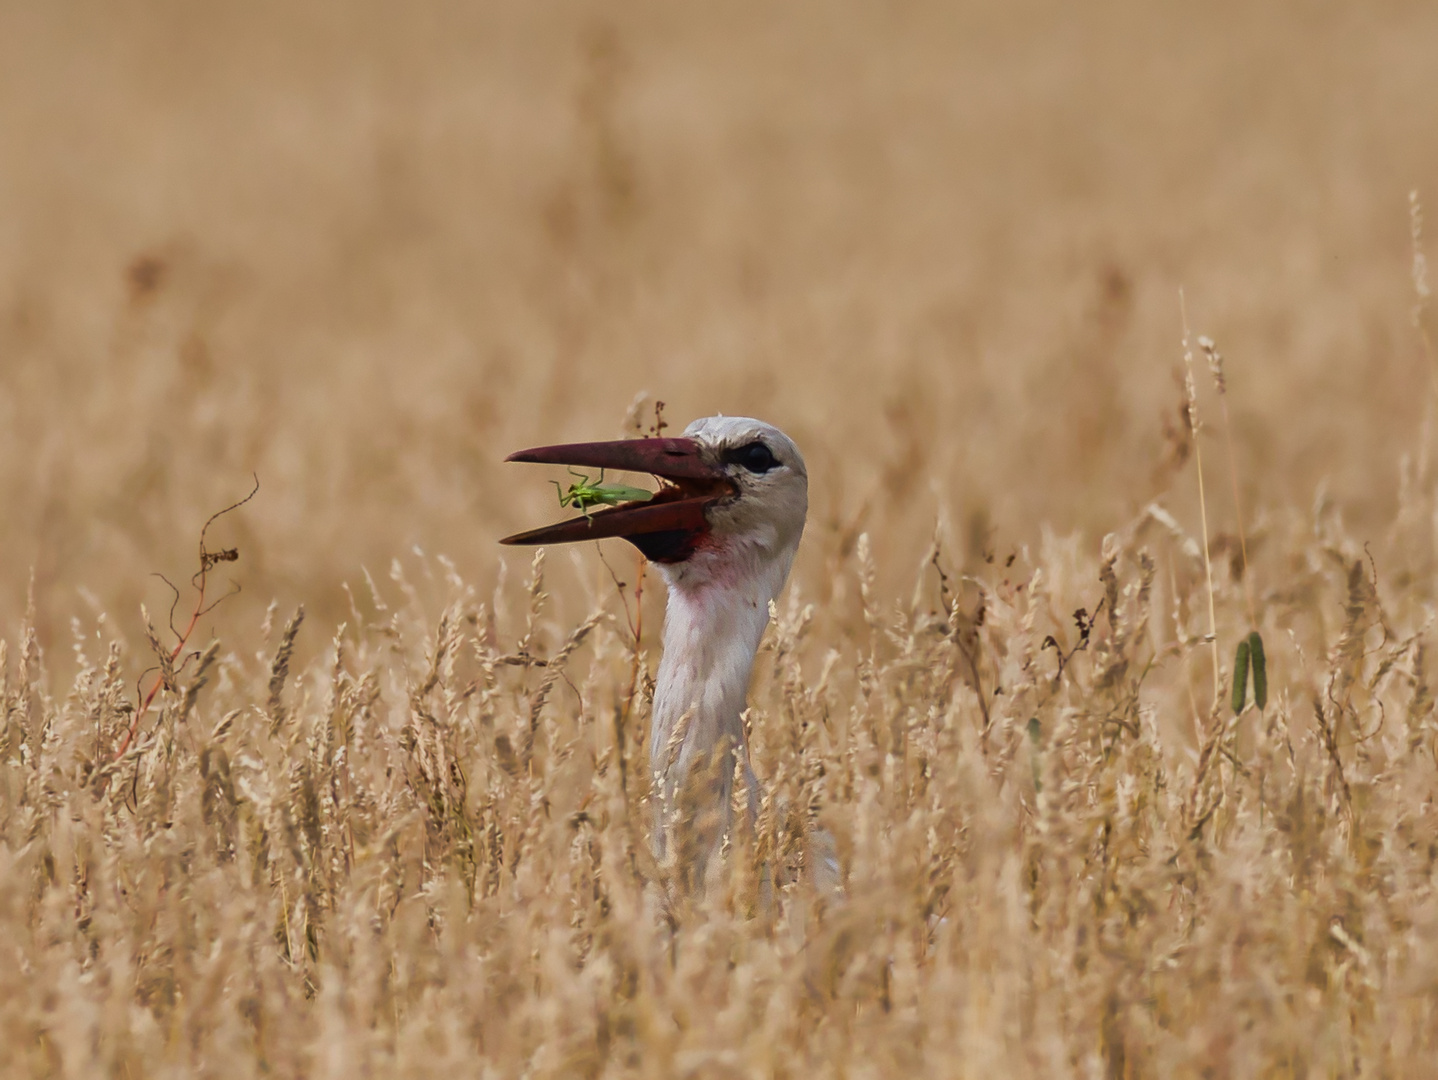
{"x":1260,"y":669}
{"x":1240,"y":676}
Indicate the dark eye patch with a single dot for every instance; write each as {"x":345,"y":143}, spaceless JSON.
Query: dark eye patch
{"x":754,"y":456}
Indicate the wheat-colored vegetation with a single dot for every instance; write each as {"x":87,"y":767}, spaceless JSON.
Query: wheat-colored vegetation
{"x":386,"y":814}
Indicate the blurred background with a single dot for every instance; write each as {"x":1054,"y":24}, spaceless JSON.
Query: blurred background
{"x":363,"y":250}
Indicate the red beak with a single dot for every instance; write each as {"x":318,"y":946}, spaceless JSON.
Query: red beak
{"x":664,"y":529}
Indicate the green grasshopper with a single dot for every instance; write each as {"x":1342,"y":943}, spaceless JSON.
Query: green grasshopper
{"x":586,"y":493}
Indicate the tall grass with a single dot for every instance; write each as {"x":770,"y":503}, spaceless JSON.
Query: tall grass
{"x":426,"y":850}
{"x":390,"y":824}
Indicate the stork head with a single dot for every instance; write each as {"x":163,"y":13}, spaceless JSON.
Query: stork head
{"x":734,"y":494}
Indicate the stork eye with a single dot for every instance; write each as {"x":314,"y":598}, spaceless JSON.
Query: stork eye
{"x":754,"y":456}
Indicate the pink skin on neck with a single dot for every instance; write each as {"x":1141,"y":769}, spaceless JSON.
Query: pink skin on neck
{"x":717,"y":612}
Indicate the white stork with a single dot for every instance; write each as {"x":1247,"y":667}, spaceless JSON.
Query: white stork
{"x":722,"y":530}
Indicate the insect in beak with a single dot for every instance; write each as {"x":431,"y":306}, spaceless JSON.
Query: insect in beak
{"x":676,"y":510}
{"x":584,"y":493}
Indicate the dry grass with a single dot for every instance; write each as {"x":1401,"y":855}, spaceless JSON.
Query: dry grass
{"x":363,"y":254}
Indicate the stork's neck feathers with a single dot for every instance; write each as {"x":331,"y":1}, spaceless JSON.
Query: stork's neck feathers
{"x":718,"y":608}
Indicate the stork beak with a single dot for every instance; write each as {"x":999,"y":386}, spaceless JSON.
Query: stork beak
{"x":676,"y":513}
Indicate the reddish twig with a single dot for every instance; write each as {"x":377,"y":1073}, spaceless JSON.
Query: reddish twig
{"x":638,"y":629}
{"x":200,"y":581}
{"x":635,"y":622}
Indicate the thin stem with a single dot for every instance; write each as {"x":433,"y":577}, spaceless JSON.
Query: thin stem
{"x":1237,"y":509}
{"x":1202,"y":501}
{"x":638,"y":635}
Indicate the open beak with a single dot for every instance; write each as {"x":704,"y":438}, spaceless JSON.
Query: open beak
{"x":675,"y":516}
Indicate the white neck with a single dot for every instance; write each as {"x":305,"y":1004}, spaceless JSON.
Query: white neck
{"x":718,"y":609}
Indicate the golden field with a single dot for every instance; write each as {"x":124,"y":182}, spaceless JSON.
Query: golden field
{"x":362,"y":251}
